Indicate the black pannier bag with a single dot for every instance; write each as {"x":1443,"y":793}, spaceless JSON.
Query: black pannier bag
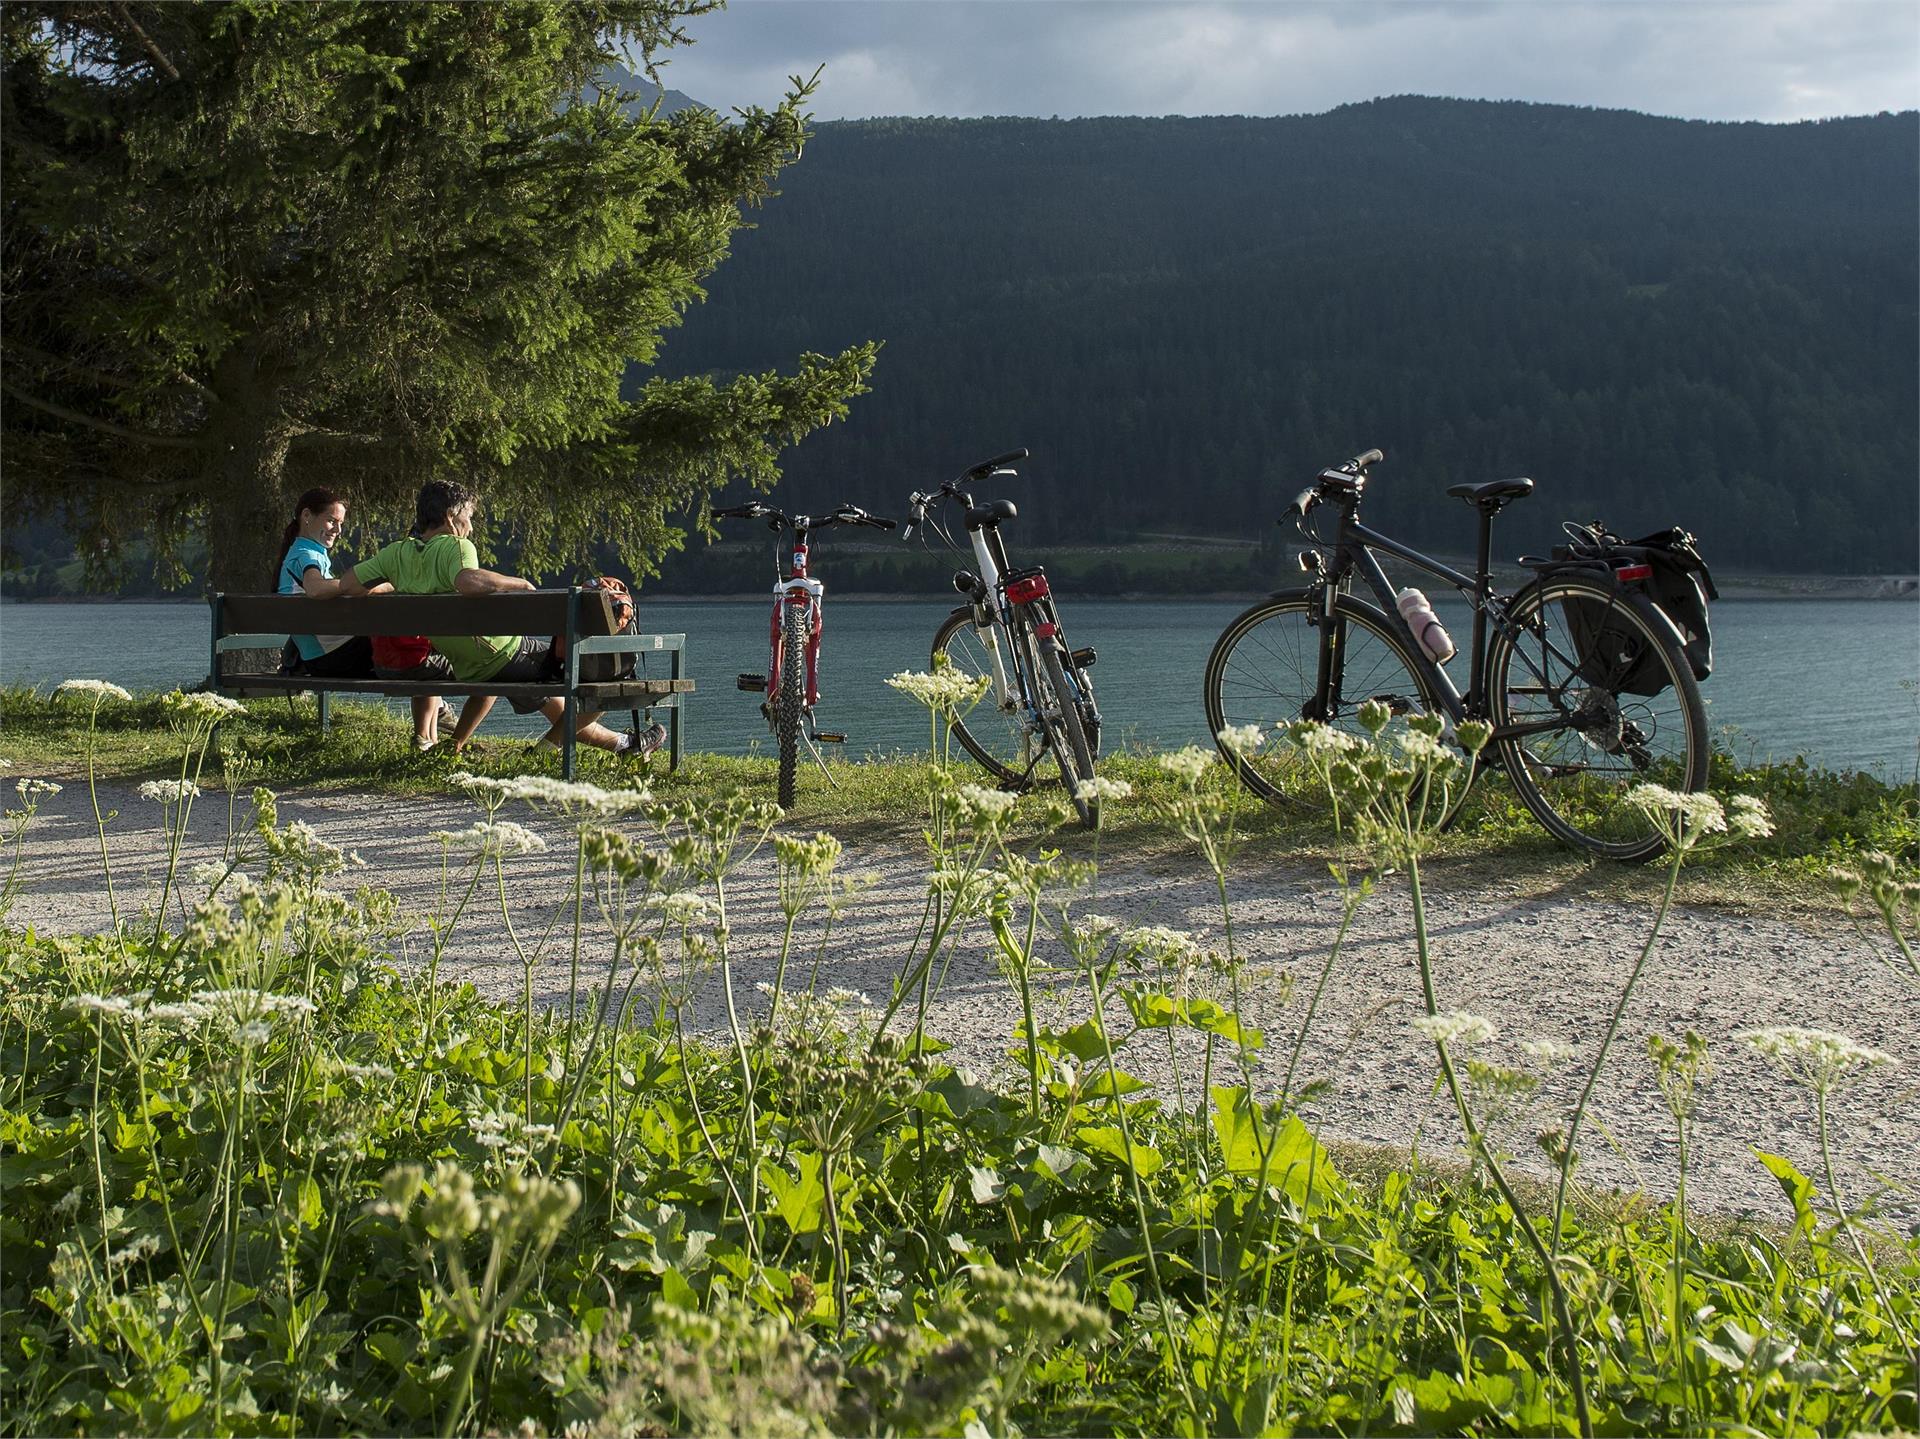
{"x":616,"y":611}
{"x":1676,"y":580}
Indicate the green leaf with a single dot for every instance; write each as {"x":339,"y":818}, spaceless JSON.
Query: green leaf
{"x":987,"y":1184}
{"x":675,"y":1290}
{"x":1293,"y":1159}
{"x":1120,"y":1296}
{"x":1082,"y":1041}
{"x":1110,"y":1140}
{"x":1795,"y":1185}
{"x":801,"y":1201}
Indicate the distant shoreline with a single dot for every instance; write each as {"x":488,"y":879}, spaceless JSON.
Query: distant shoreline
{"x":1731,"y":587}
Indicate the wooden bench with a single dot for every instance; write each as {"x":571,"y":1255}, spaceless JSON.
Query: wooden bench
{"x":252,"y":622}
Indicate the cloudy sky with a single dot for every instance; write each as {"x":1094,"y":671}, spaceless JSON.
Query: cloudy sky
{"x":1759,"y":60}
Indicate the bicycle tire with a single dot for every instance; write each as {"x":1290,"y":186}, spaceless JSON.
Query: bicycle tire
{"x":1576,"y":779}
{"x":789,"y":703}
{"x":1264,"y":669}
{"x":1000,"y":739}
{"x":1062,"y":719}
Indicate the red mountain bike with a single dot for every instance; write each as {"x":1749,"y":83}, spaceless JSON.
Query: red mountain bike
{"x":792,"y":681}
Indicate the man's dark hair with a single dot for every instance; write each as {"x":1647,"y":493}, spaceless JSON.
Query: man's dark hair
{"x":437,"y":499}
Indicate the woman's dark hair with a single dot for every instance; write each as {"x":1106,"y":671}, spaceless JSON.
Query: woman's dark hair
{"x":438,"y":499}
{"x":311,"y":503}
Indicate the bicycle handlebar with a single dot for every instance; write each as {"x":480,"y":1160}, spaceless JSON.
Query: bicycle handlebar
{"x":845,"y":515}
{"x":918,"y":504}
{"x":1345,"y":478}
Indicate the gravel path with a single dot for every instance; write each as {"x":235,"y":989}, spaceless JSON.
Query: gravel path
{"x":1540,"y":966}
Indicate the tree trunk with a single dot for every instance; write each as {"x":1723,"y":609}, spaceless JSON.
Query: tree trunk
{"x":247,"y":504}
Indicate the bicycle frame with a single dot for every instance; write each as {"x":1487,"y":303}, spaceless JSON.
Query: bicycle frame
{"x":1353,"y":551}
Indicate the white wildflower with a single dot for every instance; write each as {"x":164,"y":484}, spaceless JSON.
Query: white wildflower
{"x":1747,"y":817}
{"x":948,"y":689}
{"x":141,"y":1246}
{"x":1547,"y":1051}
{"x":28,"y":788}
{"x":1455,"y":1026}
{"x":1100,"y":787}
{"x":173,"y":1016}
{"x":69,"y":1203}
{"x":477,"y":783}
{"x":1242,"y":739}
{"x":169,"y":791}
{"x":1424,"y":749}
{"x":1188,"y":764}
{"x":491,"y":840}
{"x":1162,"y":943}
{"x":1323,"y":739}
{"x":572,"y":797}
{"x":99,"y":689}
{"x":203,"y":704}
{"x":848,"y":998}
{"x":1818,"y":1058}
{"x":107,"y":1006}
{"x":980,"y":803}
{"x":686,"y":907}
{"x":254,"y":1031}
{"x":1696,"y":814}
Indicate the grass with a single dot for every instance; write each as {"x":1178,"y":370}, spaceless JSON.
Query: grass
{"x":264,"y":1179}
{"x":1822,"y":818}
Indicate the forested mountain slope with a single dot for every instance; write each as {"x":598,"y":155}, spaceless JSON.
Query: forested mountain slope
{"x":1661,"y":321}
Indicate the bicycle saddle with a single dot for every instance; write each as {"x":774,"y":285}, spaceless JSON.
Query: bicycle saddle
{"x":1495,"y":492}
{"x":990,"y":512}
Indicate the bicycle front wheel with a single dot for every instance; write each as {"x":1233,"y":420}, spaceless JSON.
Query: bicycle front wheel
{"x":1060,"y":712}
{"x":790,"y":699}
{"x":1265,"y":669}
{"x":1611,"y":703}
{"x":995,"y":731}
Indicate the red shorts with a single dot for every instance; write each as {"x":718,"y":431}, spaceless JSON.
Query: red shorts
{"x":400,"y":652}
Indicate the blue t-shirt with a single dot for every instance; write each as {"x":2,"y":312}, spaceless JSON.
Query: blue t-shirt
{"x":303,"y":555}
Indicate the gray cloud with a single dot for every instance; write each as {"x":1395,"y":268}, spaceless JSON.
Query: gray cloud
{"x":1768,"y":60}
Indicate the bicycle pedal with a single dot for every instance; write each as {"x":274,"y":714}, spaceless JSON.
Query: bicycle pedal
{"x":1083,"y":659}
{"x":827,"y":737}
{"x":755,"y":683}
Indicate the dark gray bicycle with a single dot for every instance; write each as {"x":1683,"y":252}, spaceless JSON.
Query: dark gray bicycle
{"x":1581,"y":675}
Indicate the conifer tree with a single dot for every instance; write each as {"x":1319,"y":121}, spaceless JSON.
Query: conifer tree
{"x":254,"y":246}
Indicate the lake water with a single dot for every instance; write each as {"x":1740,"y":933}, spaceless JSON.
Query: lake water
{"x":1835,"y":680}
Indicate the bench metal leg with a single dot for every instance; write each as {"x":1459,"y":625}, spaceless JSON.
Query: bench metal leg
{"x":566,"y":742}
{"x":326,"y":714}
{"x":673,"y":720}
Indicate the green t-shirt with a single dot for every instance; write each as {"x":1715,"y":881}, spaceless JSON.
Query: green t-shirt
{"x":427,"y":567}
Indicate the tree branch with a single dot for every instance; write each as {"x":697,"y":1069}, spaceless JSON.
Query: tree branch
{"x":313,"y":435}
{"x":124,"y":432}
{"x":146,"y":42}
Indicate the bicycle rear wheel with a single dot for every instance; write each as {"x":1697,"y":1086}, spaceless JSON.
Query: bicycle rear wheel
{"x":1576,"y":660}
{"x":790,"y":699}
{"x":1264,"y":670}
{"x":995,"y":734}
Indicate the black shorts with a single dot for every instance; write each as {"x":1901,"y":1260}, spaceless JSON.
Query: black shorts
{"x":531,"y":663}
{"x":436,"y":668}
{"x":350,"y":661}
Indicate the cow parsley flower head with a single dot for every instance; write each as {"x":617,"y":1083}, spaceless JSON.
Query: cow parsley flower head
{"x":28,"y":788}
{"x":1818,"y":1058}
{"x":1686,"y":817}
{"x":571,"y":797}
{"x":1747,"y":817}
{"x":202,"y":705}
{"x":977,"y":802}
{"x":1455,"y":1026}
{"x":1323,"y":739}
{"x":98,"y":689}
{"x":106,"y":1006}
{"x":1547,"y":1051}
{"x":169,"y":791}
{"x":1242,"y":739}
{"x":492,"y":839}
{"x":1188,"y":764}
{"x":686,"y":907}
{"x":1100,"y":788}
{"x":946,"y":689}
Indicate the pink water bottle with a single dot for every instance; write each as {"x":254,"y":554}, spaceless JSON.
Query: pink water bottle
{"x":1426,"y":626}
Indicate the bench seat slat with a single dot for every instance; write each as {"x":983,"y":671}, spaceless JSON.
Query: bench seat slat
{"x":302,"y":684}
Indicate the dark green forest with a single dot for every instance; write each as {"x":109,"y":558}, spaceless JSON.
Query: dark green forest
{"x":1660,"y":321}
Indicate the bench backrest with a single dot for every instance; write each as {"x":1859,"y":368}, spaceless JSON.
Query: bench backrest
{"x":542,"y":612}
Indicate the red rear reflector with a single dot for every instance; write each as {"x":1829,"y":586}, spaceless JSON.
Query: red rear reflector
{"x":1025,"y":591}
{"x":1047,"y":630}
{"x":1634,"y":572}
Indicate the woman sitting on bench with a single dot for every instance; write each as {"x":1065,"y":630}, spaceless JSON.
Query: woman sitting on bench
{"x":306,"y":568}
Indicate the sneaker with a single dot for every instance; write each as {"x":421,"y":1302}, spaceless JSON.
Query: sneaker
{"x":448,"y":719}
{"x":644,"y":742}
{"x":421,"y":746}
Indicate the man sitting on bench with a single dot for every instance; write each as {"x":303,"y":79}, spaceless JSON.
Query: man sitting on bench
{"x":439,"y":559}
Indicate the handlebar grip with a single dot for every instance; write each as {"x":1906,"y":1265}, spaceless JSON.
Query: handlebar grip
{"x":735,"y":512}
{"x":985,"y":466}
{"x":1302,"y":502}
{"x":878,"y":523}
{"x":1360,"y":462}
